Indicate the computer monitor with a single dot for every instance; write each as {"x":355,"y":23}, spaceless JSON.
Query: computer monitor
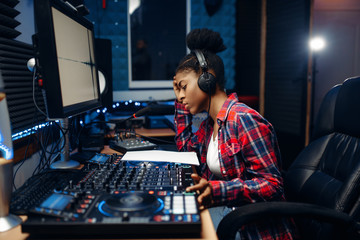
{"x":65,"y":61}
{"x":64,"y":46}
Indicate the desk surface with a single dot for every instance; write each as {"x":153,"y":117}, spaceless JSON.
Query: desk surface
{"x":207,"y":228}
{"x":158,"y":132}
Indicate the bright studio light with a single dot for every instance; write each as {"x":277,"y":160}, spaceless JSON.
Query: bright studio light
{"x":317,"y":44}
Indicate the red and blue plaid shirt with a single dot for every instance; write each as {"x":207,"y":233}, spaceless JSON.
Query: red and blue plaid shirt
{"x":249,"y":160}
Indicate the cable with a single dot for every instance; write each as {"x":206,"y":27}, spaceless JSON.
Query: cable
{"x":21,"y":162}
{"x":208,"y":112}
{"x":41,"y":153}
{"x":33,"y":95}
{"x":43,"y":140}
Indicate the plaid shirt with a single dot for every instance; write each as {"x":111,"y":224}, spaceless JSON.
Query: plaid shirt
{"x":248,"y":155}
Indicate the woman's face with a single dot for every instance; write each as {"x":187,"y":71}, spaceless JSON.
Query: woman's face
{"x":191,"y":95}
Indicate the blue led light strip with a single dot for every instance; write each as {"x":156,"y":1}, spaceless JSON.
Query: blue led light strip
{"x":29,"y":131}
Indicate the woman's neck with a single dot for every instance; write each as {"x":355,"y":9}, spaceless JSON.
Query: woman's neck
{"x":217,"y":101}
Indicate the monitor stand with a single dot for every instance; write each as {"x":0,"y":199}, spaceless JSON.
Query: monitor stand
{"x":65,"y":162}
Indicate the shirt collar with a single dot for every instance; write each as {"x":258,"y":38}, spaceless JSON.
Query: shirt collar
{"x":224,"y":111}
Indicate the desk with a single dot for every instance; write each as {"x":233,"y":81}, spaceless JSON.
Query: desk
{"x":207,"y":229}
{"x":158,"y":132}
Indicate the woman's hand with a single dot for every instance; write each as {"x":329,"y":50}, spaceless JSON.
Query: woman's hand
{"x":203,"y":188}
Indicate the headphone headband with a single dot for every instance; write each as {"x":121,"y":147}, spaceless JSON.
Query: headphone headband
{"x":201,"y":58}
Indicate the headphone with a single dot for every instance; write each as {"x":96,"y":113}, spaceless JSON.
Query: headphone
{"x":206,"y":81}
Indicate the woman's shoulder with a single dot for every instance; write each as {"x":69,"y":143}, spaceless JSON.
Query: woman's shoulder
{"x":241,"y":110}
{"x":242,"y":116}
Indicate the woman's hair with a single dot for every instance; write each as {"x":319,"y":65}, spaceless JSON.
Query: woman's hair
{"x":210,"y":43}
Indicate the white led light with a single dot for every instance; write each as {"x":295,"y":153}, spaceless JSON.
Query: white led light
{"x":133,"y":5}
{"x":317,"y":44}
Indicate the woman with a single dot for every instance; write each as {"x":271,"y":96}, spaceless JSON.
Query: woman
{"x":237,"y":147}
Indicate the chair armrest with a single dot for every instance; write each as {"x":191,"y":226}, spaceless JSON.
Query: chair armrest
{"x":232,"y":222}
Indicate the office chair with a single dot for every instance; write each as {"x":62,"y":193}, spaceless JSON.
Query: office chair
{"x":322,"y":185}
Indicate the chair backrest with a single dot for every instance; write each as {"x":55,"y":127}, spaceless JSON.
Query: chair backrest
{"x":327,"y":171}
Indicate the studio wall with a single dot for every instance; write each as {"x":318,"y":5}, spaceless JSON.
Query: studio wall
{"x":111,"y":22}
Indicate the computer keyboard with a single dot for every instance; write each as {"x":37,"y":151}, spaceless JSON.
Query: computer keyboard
{"x":38,"y":187}
{"x":131,"y":144}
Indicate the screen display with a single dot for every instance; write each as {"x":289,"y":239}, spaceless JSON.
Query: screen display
{"x":56,"y":202}
{"x":76,"y":60}
{"x":99,"y":158}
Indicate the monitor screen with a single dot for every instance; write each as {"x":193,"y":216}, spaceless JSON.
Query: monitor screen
{"x":64,"y":44}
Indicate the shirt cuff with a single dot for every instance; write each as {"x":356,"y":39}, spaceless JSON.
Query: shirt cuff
{"x":216,"y":191}
{"x":179,"y":107}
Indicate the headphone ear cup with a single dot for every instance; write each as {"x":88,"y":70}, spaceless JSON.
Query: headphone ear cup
{"x":207,"y":82}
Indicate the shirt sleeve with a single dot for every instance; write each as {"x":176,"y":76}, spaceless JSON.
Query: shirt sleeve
{"x":254,"y":169}
{"x":185,"y":139}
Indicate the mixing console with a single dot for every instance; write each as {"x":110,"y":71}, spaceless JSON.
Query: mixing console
{"x":110,"y":197}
